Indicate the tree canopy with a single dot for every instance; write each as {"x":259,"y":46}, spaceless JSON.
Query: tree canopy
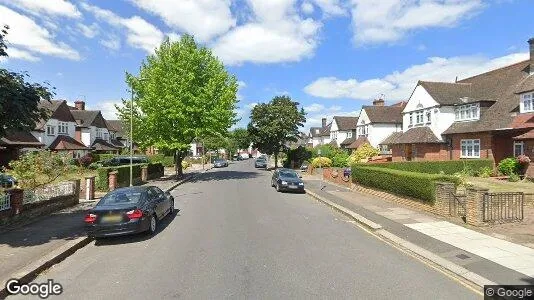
{"x":19,"y":99}
{"x":274,"y":124}
{"x":183,"y":92}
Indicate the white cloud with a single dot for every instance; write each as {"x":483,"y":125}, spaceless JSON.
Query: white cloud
{"x":112,"y":43}
{"x":205,"y":19}
{"x":314,"y":118}
{"x":389,"y":20}
{"x":307,"y":8}
{"x":89,"y":31}
{"x":399,"y":85}
{"x":276,"y":34}
{"x":14,"y":53}
{"x":109,"y":112}
{"x":241,"y":84}
{"x":139,"y":33}
{"x":60,"y":8}
{"x":27,"y":34}
{"x":331,"y":7}
{"x":173,"y":36}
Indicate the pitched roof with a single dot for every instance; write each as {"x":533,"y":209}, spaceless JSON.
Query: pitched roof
{"x":446,"y":93}
{"x":65,"y":142}
{"x":529,"y":135}
{"x":346,"y":123}
{"x":54,"y":111}
{"x":117,"y":143}
{"x":326,"y":130}
{"x":348,"y":141}
{"x":315,"y":131}
{"x":384,"y":114}
{"x":116,"y":125}
{"x":358,"y":142}
{"x":523,"y":121}
{"x":392,"y":138}
{"x":499,"y":85}
{"x":416,"y":135}
{"x":102,"y":145}
{"x":526,"y":85}
{"x":20,"y":138}
{"x":86,"y":118}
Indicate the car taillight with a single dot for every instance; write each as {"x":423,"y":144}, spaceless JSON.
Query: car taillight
{"x":135,"y":214}
{"x":90,"y":218}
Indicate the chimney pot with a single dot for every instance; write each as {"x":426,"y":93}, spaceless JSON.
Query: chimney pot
{"x":323,"y":122}
{"x":79,"y":104}
{"x":531,"y":44}
{"x":379,"y":102}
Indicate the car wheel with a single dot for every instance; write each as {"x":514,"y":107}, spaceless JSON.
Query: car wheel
{"x":272,"y":184}
{"x":153,"y":225}
{"x":277,"y":187}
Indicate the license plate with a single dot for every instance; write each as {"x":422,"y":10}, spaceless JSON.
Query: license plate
{"x":111,"y":219}
{"x":293,"y":186}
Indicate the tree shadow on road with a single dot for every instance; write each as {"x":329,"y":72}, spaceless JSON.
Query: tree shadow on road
{"x":136,"y":238}
{"x":221,"y":175}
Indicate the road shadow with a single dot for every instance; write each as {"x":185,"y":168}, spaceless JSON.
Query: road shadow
{"x":221,"y":175}
{"x":139,"y":237}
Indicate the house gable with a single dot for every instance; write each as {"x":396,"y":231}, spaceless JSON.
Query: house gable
{"x":99,"y":121}
{"x":62,"y":113}
{"x":420,"y":98}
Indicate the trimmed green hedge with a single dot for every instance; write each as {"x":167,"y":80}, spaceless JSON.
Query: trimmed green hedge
{"x":123,"y":176}
{"x":103,"y":157}
{"x":417,"y":185}
{"x":448,"y":167}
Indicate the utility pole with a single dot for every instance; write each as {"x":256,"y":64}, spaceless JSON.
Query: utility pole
{"x":131,"y":138}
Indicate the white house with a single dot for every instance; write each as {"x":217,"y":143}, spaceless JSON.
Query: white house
{"x":320,"y":135}
{"x":377,"y":122}
{"x":343,"y":130}
{"x":92,"y":129}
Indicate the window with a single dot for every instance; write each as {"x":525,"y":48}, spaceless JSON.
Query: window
{"x":528,"y":102}
{"x":470,"y":148}
{"x":467,"y":112}
{"x":106,"y":136}
{"x":50,"y":130}
{"x":112,"y":135}
{"x":411,"y":119}
{"x":419,"y":117}
{"x":334,"y":135}
{"x":63,"y":128}
{"x":349,"y":134}
{"x":519,"y":148}
{"x":99,"y":133}
{"x":428,"y":116}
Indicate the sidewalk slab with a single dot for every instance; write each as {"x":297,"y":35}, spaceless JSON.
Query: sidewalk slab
{"x":492,"y":270}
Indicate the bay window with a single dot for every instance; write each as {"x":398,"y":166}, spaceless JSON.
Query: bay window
{"x":99,"y":133}
{"x":467,"y":112}
{"x":470,"y":148}
{"x":63,"y":128}
{"x":50,"y":130}
{"x":419,"y":117}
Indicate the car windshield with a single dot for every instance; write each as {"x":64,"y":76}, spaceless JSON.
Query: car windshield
{"x":288,"y":174}
{"x":219,"y":160}
{"x":121,"y":197}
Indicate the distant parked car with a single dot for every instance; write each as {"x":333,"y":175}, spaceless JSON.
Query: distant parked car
{"x":125,"y":160}
{"x":287,"y":180}
{"x":7,"y":181}
{"x":304,"y":166}
{"x":129,"y":210}
{"x":260,"y":163}
{"x":220,"y":163}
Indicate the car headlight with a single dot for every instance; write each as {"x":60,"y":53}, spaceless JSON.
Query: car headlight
{"x":284,"y":182}
{"x":301,"y":183}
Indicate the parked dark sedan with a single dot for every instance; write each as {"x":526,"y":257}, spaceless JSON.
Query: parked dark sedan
{"x":219,"y":163}
{"x":129,"y":210}
{"x":260,"y":163}
{"x":287,"y":180}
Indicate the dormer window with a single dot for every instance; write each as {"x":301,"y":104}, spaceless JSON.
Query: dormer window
{"x":63,"y":128}
{"x":411,"y":119}
{"x":467,"y":112}
{"x":428,"y":116}
{"x":527,"y":102}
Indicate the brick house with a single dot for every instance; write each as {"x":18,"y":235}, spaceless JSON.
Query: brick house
{"x":343,"y":130}
{"x":490,"y":115}
{"x":92,"y":129}
{"x":377,"y":122}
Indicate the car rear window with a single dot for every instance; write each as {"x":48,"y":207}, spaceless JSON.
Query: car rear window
{"x":121,"y":198}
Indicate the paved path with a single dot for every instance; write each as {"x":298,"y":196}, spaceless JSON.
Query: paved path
{"x":236,"y":238}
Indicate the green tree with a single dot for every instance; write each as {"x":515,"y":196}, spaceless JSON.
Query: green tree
{"x":274,"y":124}
{"x":19,"y":99}
{"x":241,"y":138}
{"x":183,"y":92}
{"x":35,"y":169}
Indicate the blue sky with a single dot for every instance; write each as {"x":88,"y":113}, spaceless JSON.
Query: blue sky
{"x":333,"y":56}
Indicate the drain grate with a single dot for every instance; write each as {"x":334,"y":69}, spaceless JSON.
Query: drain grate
{"x":462,"y":256}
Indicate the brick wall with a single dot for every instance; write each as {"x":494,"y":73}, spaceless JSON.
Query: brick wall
{"x":421,"y":152}
{"x":485,"y":144}
{"x":335,"y":175}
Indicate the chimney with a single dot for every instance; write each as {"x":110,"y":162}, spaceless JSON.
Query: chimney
{"x":79,"y":104}
{"x":531,"y":44}
{"x":323,"y":122}
{"x":379,"y":102}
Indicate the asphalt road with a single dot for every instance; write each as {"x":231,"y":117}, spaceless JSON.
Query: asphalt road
{"x":236,"y":238}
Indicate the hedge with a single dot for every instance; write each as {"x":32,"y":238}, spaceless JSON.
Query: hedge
{"x":448,"y":167}
{"x":103,"y":157}
{"x":417,"y":185}
{"x":123,"y":176}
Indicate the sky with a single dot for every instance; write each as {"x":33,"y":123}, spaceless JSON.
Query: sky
{"x":331,"y":56}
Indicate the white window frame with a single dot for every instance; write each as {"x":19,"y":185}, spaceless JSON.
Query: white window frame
{"x":349,"y":134}
{"x":99,"y":133}
{"x":467,"y":112}
{"x":411,"y":118}
{"x":520,"y":143}
{"x":469,"y":145}
{"x":419,"y":117}
{"x":50,"y":130}
{"x":527,"y":102}
{"x":428,"y":116}
{"x":63,"y":128}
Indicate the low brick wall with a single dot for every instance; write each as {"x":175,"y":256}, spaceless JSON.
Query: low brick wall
{"x":336,"y":175}
{"x":20,"y":212}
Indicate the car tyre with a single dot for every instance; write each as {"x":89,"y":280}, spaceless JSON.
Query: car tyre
{"x":277,"y":187}
{"x":272,"y":183}
{"x":153,"y":225}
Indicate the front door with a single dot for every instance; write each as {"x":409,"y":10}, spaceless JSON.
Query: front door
{"x":408,"y":152}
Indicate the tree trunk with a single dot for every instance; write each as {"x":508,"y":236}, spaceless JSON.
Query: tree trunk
{"x":178,"y":159}
{"x":276,"y":160}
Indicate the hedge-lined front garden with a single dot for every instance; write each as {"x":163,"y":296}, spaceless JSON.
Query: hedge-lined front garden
{"x":417,"y":185}
{"x":448,"y":167}
{"x":123,"y":175}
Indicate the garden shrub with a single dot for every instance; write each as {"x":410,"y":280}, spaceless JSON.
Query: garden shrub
{"x":340,"y":160}
{"x":485,"y":172}
{"x":509,"y":166}
{"x":123,"y":175}
{"x":85,"y":160}
{"x":298,"y":156}
{"x":321,"y":162}
{"x":35,"y":169}
{"x":364,"y":152}
{"x":417,"y":185}
{"x":514,"y":177}
{"x":447,"y":167}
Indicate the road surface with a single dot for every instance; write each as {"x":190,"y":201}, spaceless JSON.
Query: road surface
{"x":235,"y":237}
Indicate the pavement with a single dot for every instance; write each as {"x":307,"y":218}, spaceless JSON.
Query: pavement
{"x":235,"y":237}
{"x":26,"y":249}
{"x":496,"y":260}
